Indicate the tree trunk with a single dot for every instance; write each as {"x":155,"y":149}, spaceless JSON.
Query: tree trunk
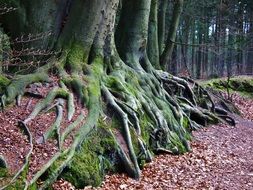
{"x":161,"y":24}
{"x":249,"y":63}
{"x":133,"y":109}
{"x":153,"y":49}
{"x":166,"y":55}
{"x":200,"y":52}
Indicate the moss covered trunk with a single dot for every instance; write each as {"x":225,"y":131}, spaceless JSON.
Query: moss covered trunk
{"x":134,"y":110}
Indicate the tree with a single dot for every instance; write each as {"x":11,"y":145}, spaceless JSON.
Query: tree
{"x":104,"y":62}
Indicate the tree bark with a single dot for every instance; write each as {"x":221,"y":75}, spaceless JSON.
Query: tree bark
{"x":153,"y":49}
{"x":166,"y":55}
{"x":163,"y":5}
{"x":133,"y":109}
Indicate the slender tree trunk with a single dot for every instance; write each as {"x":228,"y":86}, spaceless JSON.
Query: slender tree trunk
{"x":163,"y":5}
{"x":193,"y":60}
{"x":249,"y":63}
{"x":200,"y":53}
{"x":240,"y":38}
{"x":166,"y":55}
{"x":153,"y":49}
{"x":185,"y":39}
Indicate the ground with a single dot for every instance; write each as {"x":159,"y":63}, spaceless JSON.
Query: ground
{"x":221,"y":157}
{"x":14,"y":145}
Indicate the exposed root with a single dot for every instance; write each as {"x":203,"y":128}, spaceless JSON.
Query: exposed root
{"x":17,"y":87}
{"x":3,"y":163}
{"x":157,"y":112}
{"x":54,"y":130}
{"x":71,"y":127}
{"x":125,"y":121}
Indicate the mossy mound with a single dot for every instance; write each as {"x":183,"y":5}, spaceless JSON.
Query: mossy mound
{"x":241,"y":84}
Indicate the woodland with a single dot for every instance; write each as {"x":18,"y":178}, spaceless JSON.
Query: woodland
{"x":96,"y":87}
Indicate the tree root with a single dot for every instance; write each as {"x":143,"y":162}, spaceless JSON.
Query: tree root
{"x":3,"y":163}
{"x":154,"y":117}
{"x":54,"y":130}
{"x":17,"y":86}
{"x":56,"y":92}
{"x":71,"y":127}
{"x":125,"y":121}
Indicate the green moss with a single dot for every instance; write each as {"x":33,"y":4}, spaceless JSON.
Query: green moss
{"x":134,"y":141}
{"x":4,"y":82}
{"x":3,"y":172}
{"x":145,"y":123}
{"x":18,"y":85}
{"x":177,"y":145}
{"x":114,"y":83}
{"x":96,"y":70}
{"x":19,"y":184}
{"x":243,"y":85}
{"x":186,"y":124}
{"x":93,"y":160}
{"x":75,"y":58}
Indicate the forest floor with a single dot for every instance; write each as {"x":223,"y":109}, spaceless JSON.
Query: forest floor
{"x":14,"y":145}
{"x":221,"y":157}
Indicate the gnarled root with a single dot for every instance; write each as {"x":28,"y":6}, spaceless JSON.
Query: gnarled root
{"x":155,"y":112}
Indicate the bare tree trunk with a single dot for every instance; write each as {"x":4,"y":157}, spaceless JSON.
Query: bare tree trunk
{"x":166,"y":55}
{"x":153,"y":49}
{"x":163,"y":5}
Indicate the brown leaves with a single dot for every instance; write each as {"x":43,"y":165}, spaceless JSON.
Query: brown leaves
{"x":245,"y":105}
{"x":14,"y":145}
{"x":63,"y":185}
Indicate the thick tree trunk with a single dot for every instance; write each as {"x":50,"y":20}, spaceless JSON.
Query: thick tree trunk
{"x":132,"y":34}
{"x":134,"y":108}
